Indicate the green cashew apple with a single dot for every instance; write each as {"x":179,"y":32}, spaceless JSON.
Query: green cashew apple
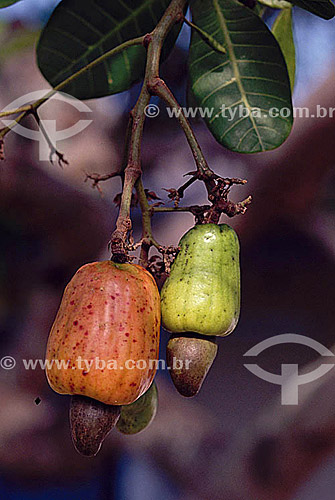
{"x":138,"y":415}
{"x":202,"y":293}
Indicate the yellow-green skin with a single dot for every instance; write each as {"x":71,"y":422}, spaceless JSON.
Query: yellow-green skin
{"x":202,"y":293}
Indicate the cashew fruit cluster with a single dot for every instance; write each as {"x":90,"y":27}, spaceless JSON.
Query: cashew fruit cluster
{"x":103,"y":346}
{"x":200,"y":300}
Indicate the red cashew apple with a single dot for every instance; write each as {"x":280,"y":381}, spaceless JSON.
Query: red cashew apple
{"x":106,"y":334}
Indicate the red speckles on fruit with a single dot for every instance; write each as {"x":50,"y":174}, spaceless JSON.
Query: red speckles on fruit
{"x":112,"y":321}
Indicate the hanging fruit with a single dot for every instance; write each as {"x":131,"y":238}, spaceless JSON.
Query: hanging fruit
{"x":104,"y":342}
{"x":202,"y":293}
{"x":138,"y":415}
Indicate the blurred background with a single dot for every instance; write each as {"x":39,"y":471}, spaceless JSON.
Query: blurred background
{"x":52,"y":222}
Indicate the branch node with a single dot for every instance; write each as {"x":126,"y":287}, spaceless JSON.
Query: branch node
{"x":154,"y":84}
{"x":147,"y":40}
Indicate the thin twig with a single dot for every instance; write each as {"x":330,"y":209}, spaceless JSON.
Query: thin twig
{"x":97,"y":178}
{"x":53,"y":150}
{"x":11,"y":112}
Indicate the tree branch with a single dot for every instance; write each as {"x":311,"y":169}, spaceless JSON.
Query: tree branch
{"x":132,"y":172}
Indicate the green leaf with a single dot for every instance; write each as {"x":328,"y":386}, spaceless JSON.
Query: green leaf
{"x":283,"y":31}
{"x":259,"y":9}
{"x":7,"y":3}
{"x":321,"y":8}
{"x":207,"y":38}
{"x":275,"y":4}
{"x":240,"y":88}
{"x":78,"y":32}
